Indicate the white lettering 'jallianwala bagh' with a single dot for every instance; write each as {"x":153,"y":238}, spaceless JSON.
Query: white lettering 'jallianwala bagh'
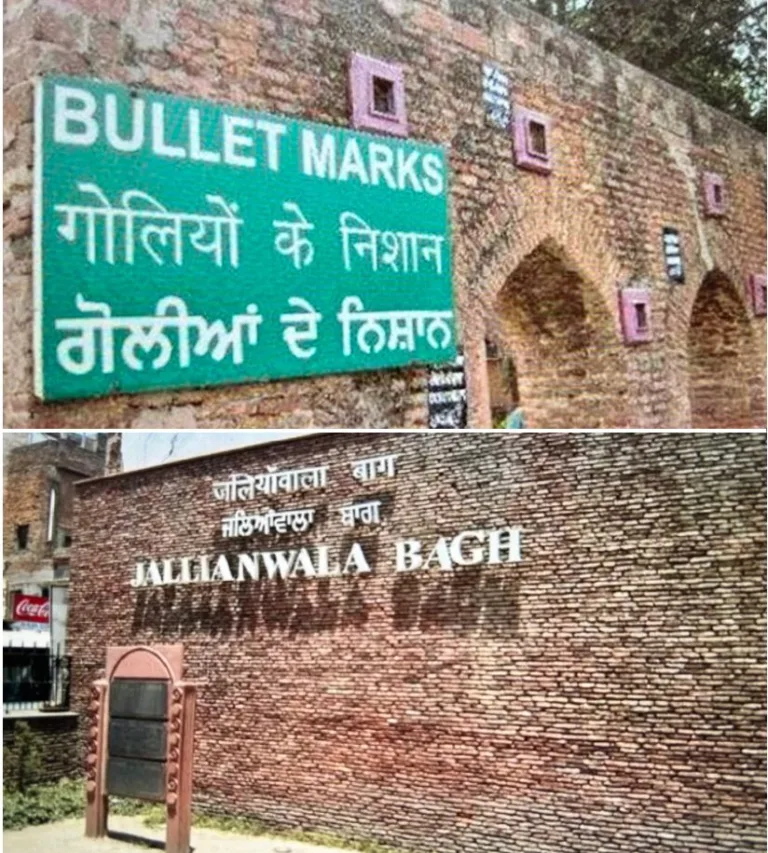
{"x":468,"y":548}
{"x":240,"y":487}
{"x":245,"y":486}
{"x":242,"y":524}
{"x":365,"y":513}
{"x":374,"y":467}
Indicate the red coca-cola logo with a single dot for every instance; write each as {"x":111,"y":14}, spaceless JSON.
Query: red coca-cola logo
{"x":31,"y":608}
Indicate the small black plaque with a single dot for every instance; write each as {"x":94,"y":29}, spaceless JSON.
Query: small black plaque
{"x":447,"y":396}
{"x":138,"y":700}
{"x":673,"y":254}
{"x":129,"y":777}
{"x":138,"y":739}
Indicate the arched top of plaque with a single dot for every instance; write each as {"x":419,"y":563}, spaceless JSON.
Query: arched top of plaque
{"x":145,"y":662}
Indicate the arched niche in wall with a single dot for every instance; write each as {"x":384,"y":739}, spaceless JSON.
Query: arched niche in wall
{"x":555,"y":347}
{"x":723,"y":375}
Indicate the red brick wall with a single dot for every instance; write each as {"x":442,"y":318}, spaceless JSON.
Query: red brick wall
{"x":29,"y":472}
{"x":607,"y":692}
{"x":722,"y":392}
{"x":26,"y":504}
{"x":629,"y":154}
{"x":59,"y":744}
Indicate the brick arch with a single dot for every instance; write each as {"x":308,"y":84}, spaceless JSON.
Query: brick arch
{"x":723,"y":374}
{"x":514,"y":226}
{"x":556,"y":334}
{"x":722,"y":250}
{"x":520,"y":260}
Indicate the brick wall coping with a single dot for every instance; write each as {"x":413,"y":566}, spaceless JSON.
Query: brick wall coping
{"x":515,"y":9}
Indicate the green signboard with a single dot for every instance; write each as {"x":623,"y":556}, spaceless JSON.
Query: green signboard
{"x":184,"y":243}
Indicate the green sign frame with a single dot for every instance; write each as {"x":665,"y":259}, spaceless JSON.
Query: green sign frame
{"x":183,"y":243}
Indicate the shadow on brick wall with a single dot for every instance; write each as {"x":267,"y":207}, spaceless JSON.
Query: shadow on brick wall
{"x":292,"y":607}
{"x":465,"y":601}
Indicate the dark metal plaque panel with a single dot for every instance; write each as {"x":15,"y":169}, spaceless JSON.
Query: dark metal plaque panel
{"x":138,"y":739}
{"x":138,"y":700}
{"x":129,"y":777}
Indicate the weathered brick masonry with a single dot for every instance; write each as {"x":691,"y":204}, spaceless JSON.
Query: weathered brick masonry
{"x":57,"y":735}
{"x":538,"y":259}
{"x":30,"y":472}
{"x":605,"y":693}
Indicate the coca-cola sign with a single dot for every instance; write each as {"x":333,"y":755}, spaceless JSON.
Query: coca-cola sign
{"x":31,"y":608}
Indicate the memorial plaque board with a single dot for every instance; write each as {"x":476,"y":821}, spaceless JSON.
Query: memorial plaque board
{"x":130,"y":777}
{"x":138,"y":739}
{"x":138,"y":700}
{"x":138,"y":732}
{"x":140,"y":743}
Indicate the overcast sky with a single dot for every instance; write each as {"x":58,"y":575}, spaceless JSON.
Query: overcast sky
{"x":141,"y":449}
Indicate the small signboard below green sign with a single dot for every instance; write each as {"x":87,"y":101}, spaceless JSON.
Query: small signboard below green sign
{"x":183,"y":243}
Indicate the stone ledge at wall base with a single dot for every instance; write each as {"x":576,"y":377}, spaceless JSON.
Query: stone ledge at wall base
{"x":60,"y":741}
